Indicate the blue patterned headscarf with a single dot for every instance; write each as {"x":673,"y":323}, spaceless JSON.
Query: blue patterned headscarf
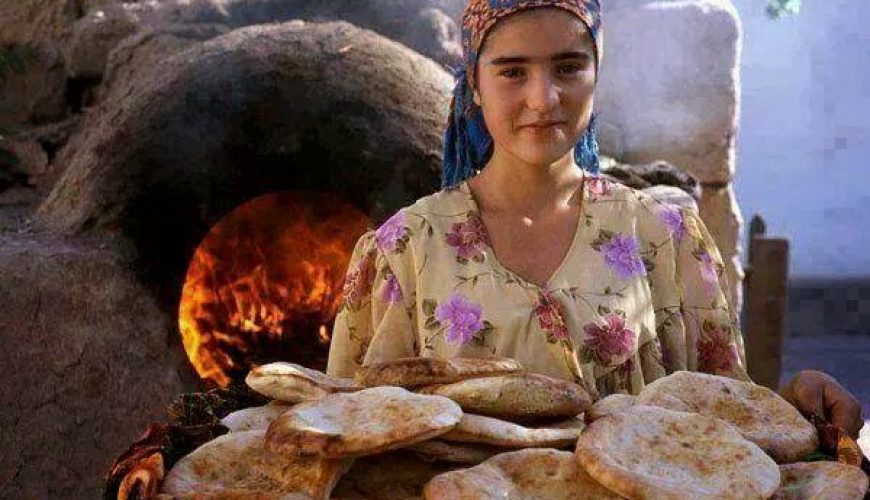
{"x":467,"y":142}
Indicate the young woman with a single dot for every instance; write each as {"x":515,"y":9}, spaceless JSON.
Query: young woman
{"x":527,"y":254}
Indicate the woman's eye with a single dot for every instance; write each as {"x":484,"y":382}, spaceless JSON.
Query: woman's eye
{"x":570,"y":69}
{"x":511,"y":73}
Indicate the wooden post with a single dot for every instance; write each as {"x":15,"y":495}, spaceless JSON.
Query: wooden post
{"x":766,"y":298}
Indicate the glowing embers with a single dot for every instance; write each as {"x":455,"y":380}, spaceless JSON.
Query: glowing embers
{"x":265,"y":284}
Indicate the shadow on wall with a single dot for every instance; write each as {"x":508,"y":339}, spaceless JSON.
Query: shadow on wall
{"x":828,"y":306}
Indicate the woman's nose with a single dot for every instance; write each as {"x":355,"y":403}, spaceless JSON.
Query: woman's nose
{"x":543,"y":94}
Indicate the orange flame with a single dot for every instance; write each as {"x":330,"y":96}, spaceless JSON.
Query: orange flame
{"x":265,"y":284}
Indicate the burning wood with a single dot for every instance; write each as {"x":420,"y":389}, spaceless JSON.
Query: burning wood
{"x":265,"y":284}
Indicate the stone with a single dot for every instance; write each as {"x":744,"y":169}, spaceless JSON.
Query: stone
{"x":281,"y":106}
{"x":79,"y":333}
{"x":669,"y":84}
{"x":721,"y":215}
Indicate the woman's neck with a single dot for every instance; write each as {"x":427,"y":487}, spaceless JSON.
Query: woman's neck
{"x":507,"y":185}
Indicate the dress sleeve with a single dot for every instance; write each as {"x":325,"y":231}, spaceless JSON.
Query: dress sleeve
{"x":696,"y":328}
{"x":375,"y":321}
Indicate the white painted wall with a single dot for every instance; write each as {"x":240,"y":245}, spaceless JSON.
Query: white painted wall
{"x":804,"y":139}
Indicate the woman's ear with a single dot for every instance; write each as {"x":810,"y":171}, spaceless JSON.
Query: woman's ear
{"x":476,"y":97}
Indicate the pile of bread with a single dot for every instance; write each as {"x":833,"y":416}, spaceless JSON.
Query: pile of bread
{"x":484,"y":429}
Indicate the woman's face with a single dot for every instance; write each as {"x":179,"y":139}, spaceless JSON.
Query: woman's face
{"x":535,"y":77}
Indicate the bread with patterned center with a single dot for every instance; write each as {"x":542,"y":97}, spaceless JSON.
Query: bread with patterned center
{"x":361,"y":423}
{"x":234,"y":466}
{"x":542,"y":474}
{"x":646,"y":452}
{"x":760,"y":414}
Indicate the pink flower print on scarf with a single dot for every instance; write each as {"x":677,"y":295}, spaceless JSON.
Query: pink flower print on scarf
{"x":611,"y":343}
{"x":672,"y":217}
{"x":469,"y":239}
{"x":597,"y":187}
{"x":461,"y":317}
{"x":549,"y":314}
{"x":359,"y":280}
{"x":716,"y":353}
{"x":392,"y":235}
{"x":392,"y":291}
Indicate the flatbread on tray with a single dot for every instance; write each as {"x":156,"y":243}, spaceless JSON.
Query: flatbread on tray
{"x":256,"y":418}
{"x":646,"y":452}
{"x":294,"y":383}
{"x":523,"y":396}
{"x":760,"y":414}
{"x":541,"y":474}
{"x":492,"y":431}
{"x":235,"y":465}
{"x":395,"y":475}
{"x":417,"y":371}
{"x":821,"y":481}
{"x":361,"y":423}
{"x":607,"y":405}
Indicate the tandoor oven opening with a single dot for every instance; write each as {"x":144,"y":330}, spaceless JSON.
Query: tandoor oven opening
{"x":265,"y":284}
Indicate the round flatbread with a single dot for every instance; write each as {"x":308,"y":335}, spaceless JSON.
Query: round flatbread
{"x":460,"y":453}
{"x":607,"y":405}
{"x":256,"y":418}
{"x":236,"y":464}
{"x":492,"y":431}
{"x":413,"y":372}
{"x":760,"y":414}
{"x":361,"y":423}
{"x":645,"y":452}
{"x":294,"y":383}
{"x":523,"y":396}
{"x":541,"y":474}
{"x":821,"y":481}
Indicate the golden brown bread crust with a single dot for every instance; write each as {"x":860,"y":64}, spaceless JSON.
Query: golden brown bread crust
{"x":492,"y":431}
{"x":607,"y":405}
{"x":256,"y":418}
{"x":646,"y":452}
{"x":821,"y":481}
{"x":361,"y":423}
{"x":542,"y":474}
{"x":521,"y":397}
{"x":417,"y":371}
{"x":232,"y":466}
{"x":294,"y":383}
{"x":760,"y":414}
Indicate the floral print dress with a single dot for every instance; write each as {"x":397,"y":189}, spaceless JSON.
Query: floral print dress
{"x":639,"y":294}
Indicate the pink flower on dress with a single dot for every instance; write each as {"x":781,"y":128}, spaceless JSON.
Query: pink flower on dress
{"x":392,"y":234}
{"x":462,"y":318}
{"x":609,"y":343}
{"x":549,"y":314}
{"x":392,"y":291}
{"x":358,"y":281}
{"x":716,"y":353}
{"x":709,"y":272}
{"x":622,"y":255}
{"x":468,"y":237}
{"x":597,"y":186}
{"x":672,"y":217}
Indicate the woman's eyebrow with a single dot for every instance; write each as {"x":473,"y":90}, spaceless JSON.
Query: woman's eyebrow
{"x":561,"y":56}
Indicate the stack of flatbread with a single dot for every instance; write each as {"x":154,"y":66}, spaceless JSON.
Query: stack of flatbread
{"x":480,"y":429}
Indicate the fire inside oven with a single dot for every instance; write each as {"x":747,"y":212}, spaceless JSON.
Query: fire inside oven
{"x":265,"y":284}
